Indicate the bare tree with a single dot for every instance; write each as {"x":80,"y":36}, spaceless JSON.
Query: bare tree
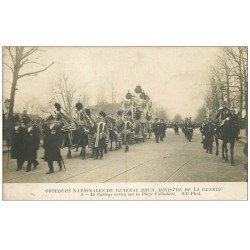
{"x":84,"y":99}
{"x":113,"y":93}
{"x":177,"y":118}
{"x":161,"y":113}
{"x":65,"y":93}
{"x":228,"y":79}
{"x":19,"y":57}
{"x":101,"y":97}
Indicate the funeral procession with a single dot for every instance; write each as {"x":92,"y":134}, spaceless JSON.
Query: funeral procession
{"x":124,"y":114}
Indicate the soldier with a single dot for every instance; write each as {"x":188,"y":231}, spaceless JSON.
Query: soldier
{"x":156,"y":129}
{"x":236,"y":122}
{"x":105,"y":119}
{"x":127,"y":126}
{"x":17,"y":142}
{"x":52,"y":144}
{"x":100,"y":137}
{"x":222,"y":113}
{"x":31,"y":143}
{"x":119,"y":128}
{"x":163,"y":127}
{"x":91,"y":134}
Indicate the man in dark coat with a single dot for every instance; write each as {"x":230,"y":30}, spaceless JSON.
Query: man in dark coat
{"x":52,"y":144}
{"x":156,"y":129}
{"x":163,"y":127}
{"x":17,"y":142}
{"x":31,"y":143}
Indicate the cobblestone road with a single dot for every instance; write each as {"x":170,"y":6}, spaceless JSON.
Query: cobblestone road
{"x":174,"y":160}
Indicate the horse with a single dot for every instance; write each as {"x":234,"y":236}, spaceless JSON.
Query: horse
{"x":227,"y":132}
{"x":75,"y":134}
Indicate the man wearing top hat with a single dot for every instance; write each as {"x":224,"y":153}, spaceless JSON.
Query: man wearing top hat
{"x":163,"y":127}
{"x":52,"y":144}
{"x":156,"y":129}
{"x":17,"y":142}
{"x":31,"y":143}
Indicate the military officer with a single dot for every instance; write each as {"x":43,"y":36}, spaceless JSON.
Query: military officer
{"x":223,"y":112}
{"x":52,"y":144}
{"x":100,"y":137}
{"x":127,"y":126}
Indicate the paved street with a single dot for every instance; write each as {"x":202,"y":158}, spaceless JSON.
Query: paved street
{"x":174,"y":160}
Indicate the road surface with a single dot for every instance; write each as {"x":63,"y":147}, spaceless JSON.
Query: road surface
{"x":173,"y":160}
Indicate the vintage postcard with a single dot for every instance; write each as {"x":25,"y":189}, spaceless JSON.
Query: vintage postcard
{"x":125,"y":123}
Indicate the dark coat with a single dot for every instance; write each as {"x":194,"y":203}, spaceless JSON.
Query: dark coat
{"x":31,"y":143}
{"x":52,"y":143}
{"x":17,"y":143}
{"x":163,"y":127}
{"x":156,"y":127}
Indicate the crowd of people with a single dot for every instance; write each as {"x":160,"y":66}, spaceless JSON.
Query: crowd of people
{"x":58,"y":131}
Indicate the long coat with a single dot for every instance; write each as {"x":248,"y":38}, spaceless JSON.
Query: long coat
{"x":31,"y":143}
{"x":156,"y":128}
{"x":17,"y":143}
{"x":52,"y":143}
{"x":101,"y":135}
{"x":163,"y":127}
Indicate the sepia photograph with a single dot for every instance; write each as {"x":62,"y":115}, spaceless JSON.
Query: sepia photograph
{"x":125,"y":115}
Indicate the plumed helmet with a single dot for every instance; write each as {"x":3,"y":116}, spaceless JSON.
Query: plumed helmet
{"x":78,"y":106}
{"x":103,"y":114}
{"x":143,"y":95}
{"x":129,"y":113}
{"x":50,"y":118}
{"x":59,"y":117}
{"x":128,"y":95}
{"x":148,"y":117}
{"x":15,"y":118}
{"x":87,"y":111}
{"x":138,"y":89}
{"x":119,"y":112}
{"x":25,"y":119}
{"x":57,"y":106}
{"x":138,"y":114}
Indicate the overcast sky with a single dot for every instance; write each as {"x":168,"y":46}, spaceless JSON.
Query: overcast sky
{"x":174,"y":77}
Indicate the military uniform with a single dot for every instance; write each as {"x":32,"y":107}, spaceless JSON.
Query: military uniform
{"x":222,"y":114}
{"x":126,"y":132}
{"x":119,"y":129}
{"x":52,"y":145}
{"x":157,"y":130}
{"x":100,"y":139}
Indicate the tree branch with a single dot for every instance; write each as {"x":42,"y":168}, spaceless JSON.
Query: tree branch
{"x":29,"y":52}
{"x":11,"y":55}
{"x":35,"y":72}
{"x":9,"y":67}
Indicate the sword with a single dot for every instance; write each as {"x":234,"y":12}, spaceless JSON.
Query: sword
{"x":8,"y":157}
